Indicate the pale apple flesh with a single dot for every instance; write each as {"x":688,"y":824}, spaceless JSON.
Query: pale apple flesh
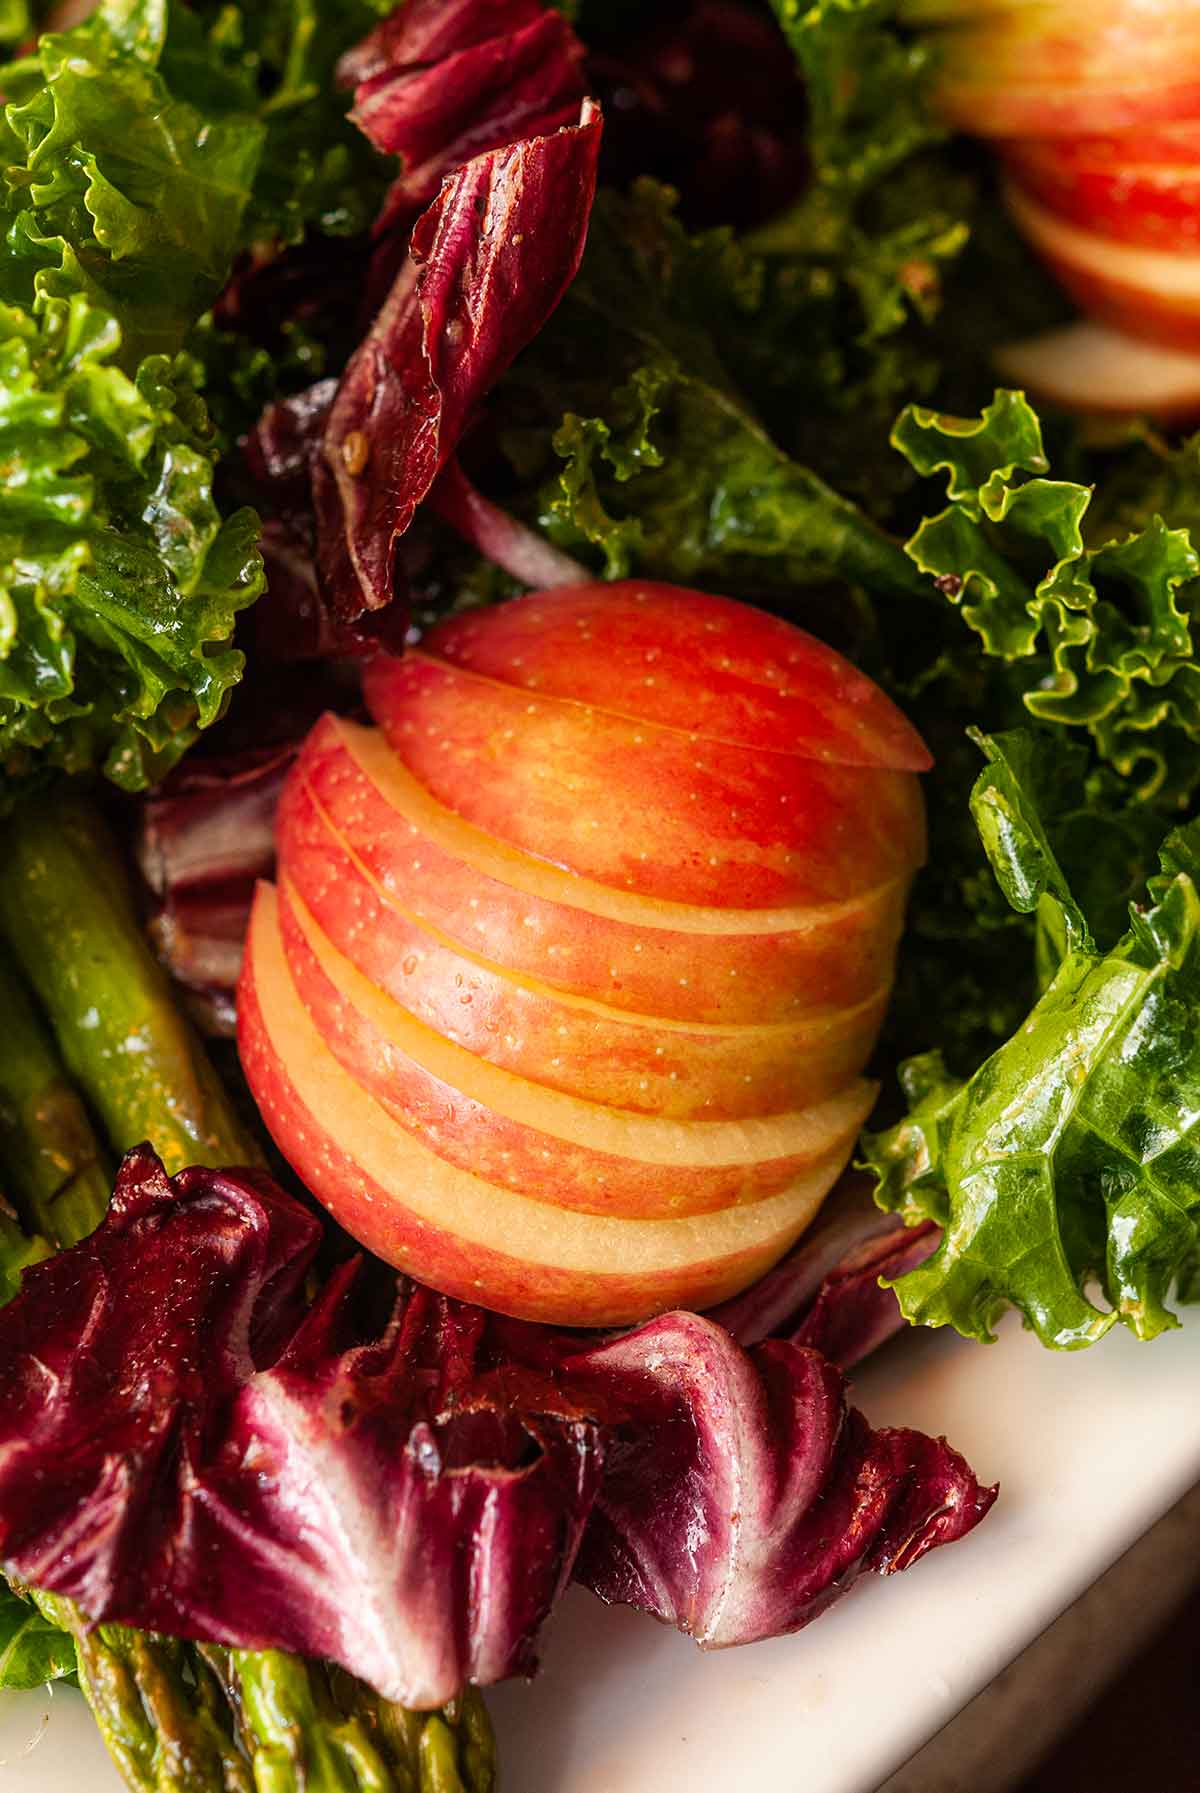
{"x":1091,"y":367}
{"x":545,"y":1144}
{"x":674,"y":960}
{"x":641,"y":807}
{"x":466,"y":1236}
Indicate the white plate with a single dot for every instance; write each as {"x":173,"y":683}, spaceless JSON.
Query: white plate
{"x":1089,"y":1449}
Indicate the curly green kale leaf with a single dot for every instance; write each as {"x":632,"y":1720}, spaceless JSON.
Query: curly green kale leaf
{"x":123,"y":206}
{"x":119,"y":580}
{"x":1069,"y":1162}
{"x":1104,"y":626}
{"x":666,"y":467}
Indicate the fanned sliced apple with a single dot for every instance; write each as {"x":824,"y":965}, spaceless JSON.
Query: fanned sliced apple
{"x":553,"y":1146}
{"x":467,"y":1236}
{"x":648,"y":1064}
{"x":674,"y":960}
{"x":721,"y":672}
{"x":640,"y":806}
{"x":564,"y":1005}
{"x":1151,"y":293}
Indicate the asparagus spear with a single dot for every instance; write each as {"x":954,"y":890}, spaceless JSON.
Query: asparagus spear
{"x":196,"y":1718}
{"x":53,"y":1162}
{"x":179,"y":1717}
{"x":17,"y":1250}
{"x":67,"y":910}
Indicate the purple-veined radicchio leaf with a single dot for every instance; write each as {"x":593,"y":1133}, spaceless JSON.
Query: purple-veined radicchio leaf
{"x":826,"y":1293}
{"x":741,"y":1496}
{"x":488,"y":76}
{"x":489,"y":262}
{"x":120,"y":1361}
{"x":204,"y":838}
{"x":404,"y":1483}
{"x":183,"y":1449}
{"x":425,"y":31}
{"x":452,"y":1501}
{"x":500,"y":537}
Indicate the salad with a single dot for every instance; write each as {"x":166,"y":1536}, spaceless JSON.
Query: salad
{"x":598,"y":813}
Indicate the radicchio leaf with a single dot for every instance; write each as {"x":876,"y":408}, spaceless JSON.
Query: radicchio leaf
{"x":404,"y":1483}
{"x":489,"y":262}
{"x":446,"y":81}
{"x":500,"y":537}
{"x":204,"y":839}
{"x":183,"y":1449}
{"x":451,"y":1502}
{"x":826,"y":1293}
{"x":741,"y":1495}
{"x":119,"y":1358}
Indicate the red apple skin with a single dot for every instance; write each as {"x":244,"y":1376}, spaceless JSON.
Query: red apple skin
{"x":1106,"y":283}
{"x":453,"y":1124}
{"x":1141,"y":188}
{"x":379,"y":1218}
{"x":1068,"y":70}
{"x":607,"y":1056}
{"x":707,"y":665}
{"x":640,"y":807}
{"x":833,"y":958}
{"x":1136,"y":310}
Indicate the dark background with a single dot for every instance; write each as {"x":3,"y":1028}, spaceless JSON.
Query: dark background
{"x":1143,"y":1735}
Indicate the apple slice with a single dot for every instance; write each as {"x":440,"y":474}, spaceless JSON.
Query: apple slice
{"x":1063,"y":69}
{"x":642,"y":807}
{"x":1093,"y":368}
{"x":1154,"y":293}
{"x":468,"y":1237}
{"x":649,"y":1065}
{"x":548,"y":1145}
{"x":1142,"y":187}
{"x":718,"y":670}
{"x":674,"y":960}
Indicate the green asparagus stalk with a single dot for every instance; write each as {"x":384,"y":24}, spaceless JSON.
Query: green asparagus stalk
{"x":67,"y":911}
{"x":54,"y":1167}
{"x":17,"y":1250}
{"x":164,"y":1729}
{"x":180,"y":1717}
{"x":196,"y":1718}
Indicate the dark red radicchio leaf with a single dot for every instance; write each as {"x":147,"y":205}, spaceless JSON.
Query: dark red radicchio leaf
{"x":183,"y":1449}
{"x":424,"y":31}
{"x":489,"y":262}
{"x":403,"y":1483}
{"x":450,"y":1504}
{"x":120,"y":1361}
{"x":741,"y":1495}
{"x":446,"y":81}
{"x":500,"y":537}
{"x":826,"y":1293}
{"x":203,"y":840}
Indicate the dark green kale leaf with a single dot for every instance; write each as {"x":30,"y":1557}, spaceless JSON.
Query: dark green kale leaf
{"x":665,"y":466}
{"x":32,"y":1650}
{"x":1064,"y":1171}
